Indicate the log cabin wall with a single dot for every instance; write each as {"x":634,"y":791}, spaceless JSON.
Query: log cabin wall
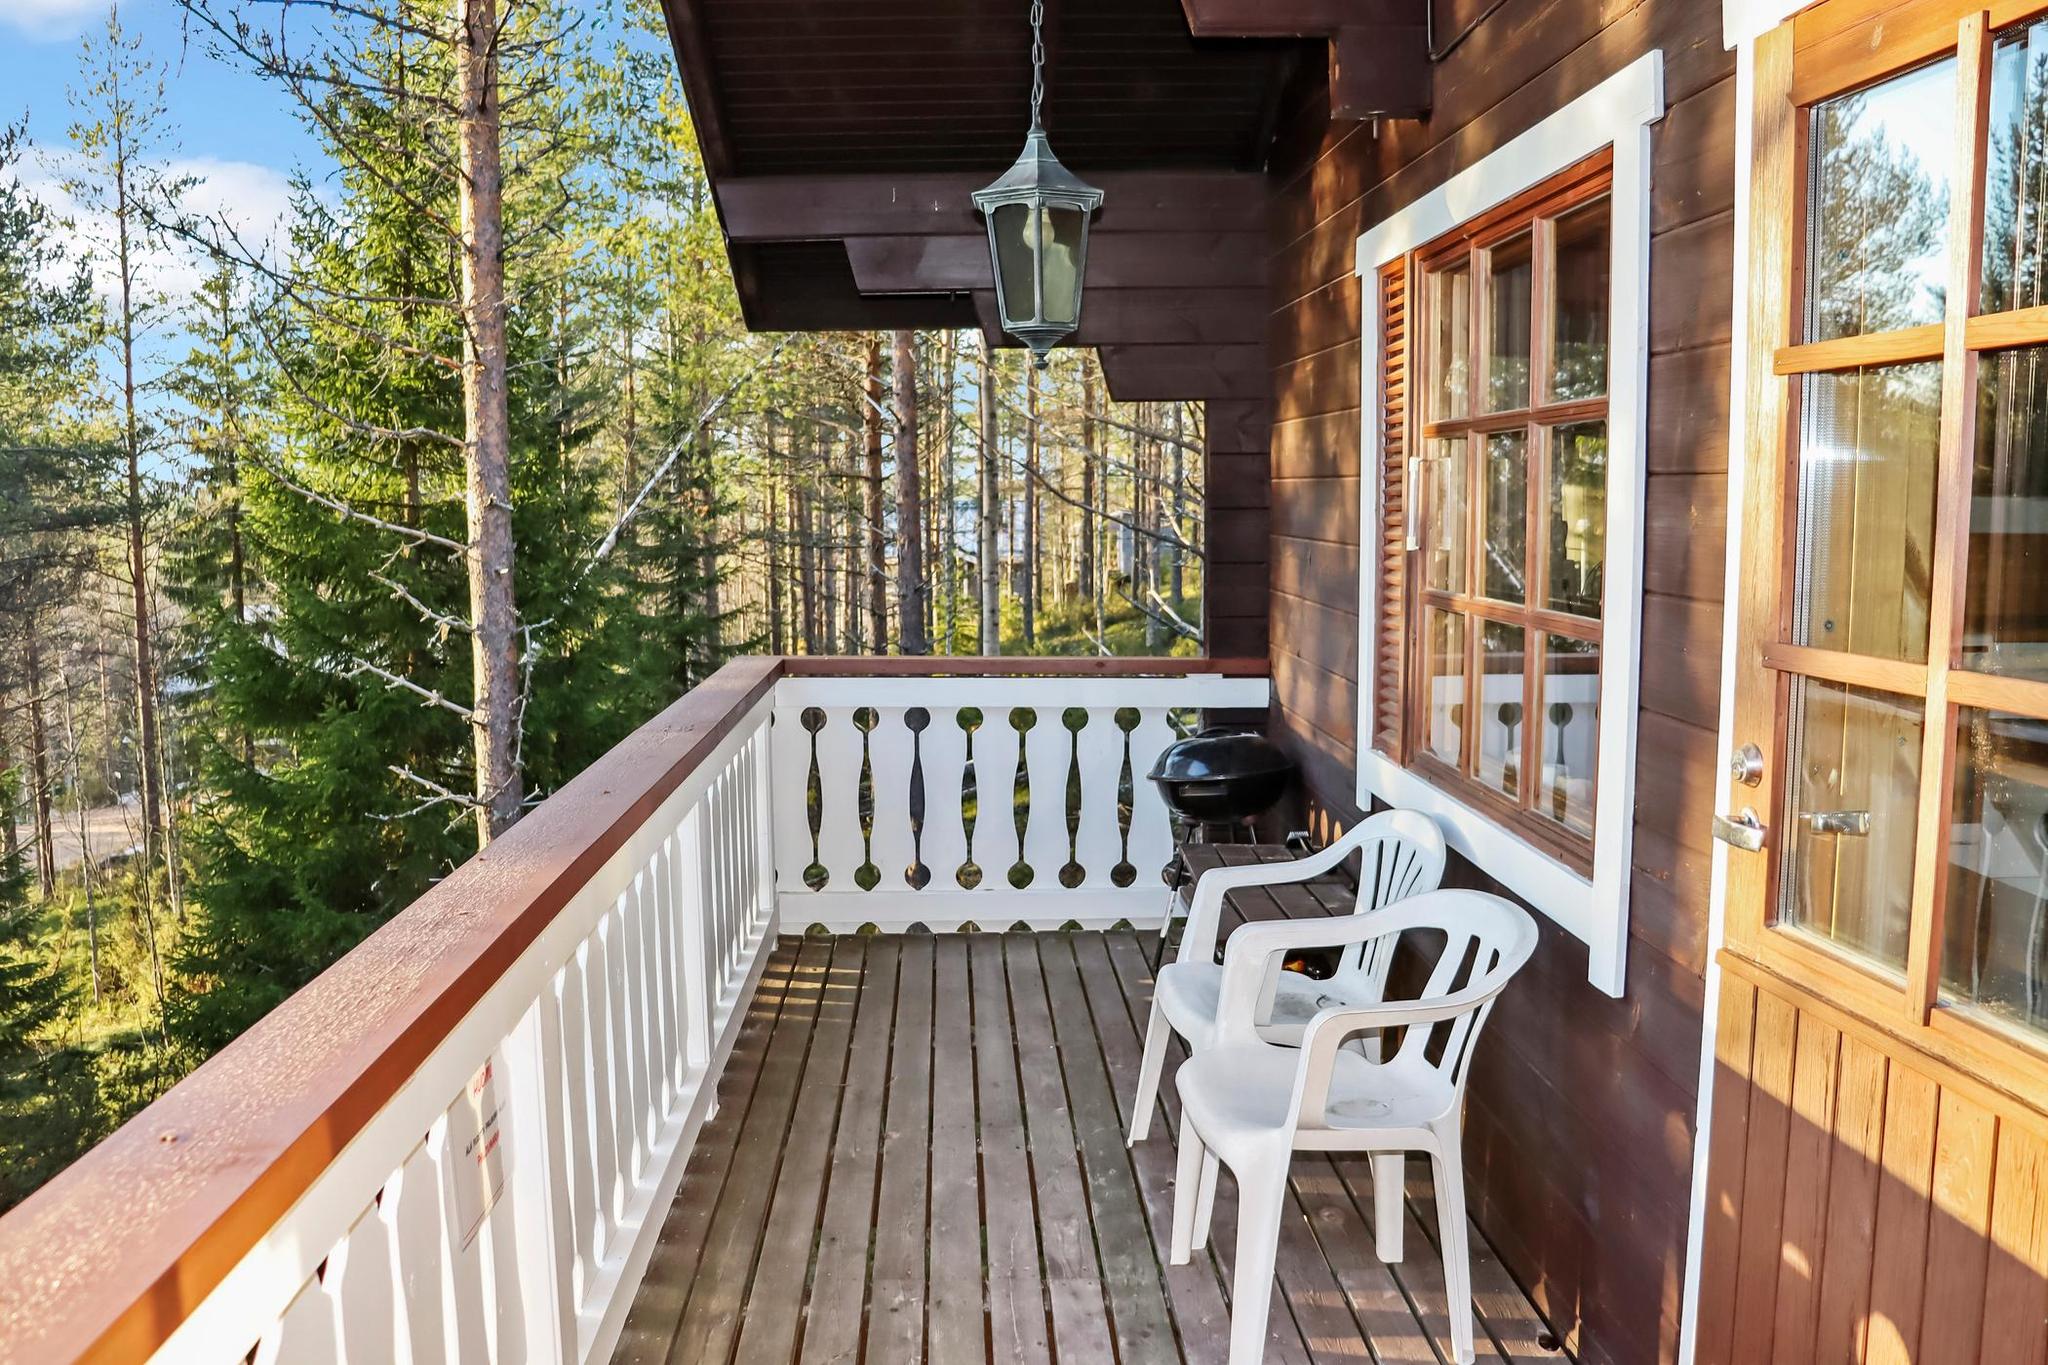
{"x":1580,"y":1125}
{"x":1237,"y":530}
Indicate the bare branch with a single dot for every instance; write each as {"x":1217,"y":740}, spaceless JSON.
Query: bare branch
{"x":429,"y":697}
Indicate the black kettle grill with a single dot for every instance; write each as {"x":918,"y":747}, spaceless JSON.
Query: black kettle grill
{"x":1221,"y":779}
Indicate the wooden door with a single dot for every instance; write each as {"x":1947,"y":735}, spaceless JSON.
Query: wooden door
{"x":1878,"y":1166}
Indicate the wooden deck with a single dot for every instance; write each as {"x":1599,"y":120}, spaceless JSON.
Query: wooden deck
{"x":918,"y":1156}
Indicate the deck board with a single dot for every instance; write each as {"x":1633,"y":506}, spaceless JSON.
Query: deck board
{"x":919,"y":1158}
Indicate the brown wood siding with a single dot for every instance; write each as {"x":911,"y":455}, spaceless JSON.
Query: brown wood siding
{"x":1239,"y":511}
{"x":1579,"y":1146}
{"x":1864,"y":1203}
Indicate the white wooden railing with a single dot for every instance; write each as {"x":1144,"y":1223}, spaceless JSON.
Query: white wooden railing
{"x":459,"y":1143}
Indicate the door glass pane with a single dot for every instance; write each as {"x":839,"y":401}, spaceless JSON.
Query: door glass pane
{"x":1578,"y":518}
{"x":1444,"y":539}
{"x":2005,"y":612}
{"x":1511,"y":272}
{"x":2015,"y":194}
{"x":1571,"y":726}
{"x":1506,"y":489}
{"x":1851,"y":805}
{"x":1445,"y":647}
{"x":1867,"y":452}
{"x":1878,"y":186}
{"x":1578,"y":334}
{"x":1449,"y":297}
{"x":1995,"y":931}
{"x":1499,"y":761}
{"x":1061,"y":269}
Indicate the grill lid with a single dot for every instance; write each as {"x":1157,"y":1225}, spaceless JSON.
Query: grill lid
{"x":1219,"y":755}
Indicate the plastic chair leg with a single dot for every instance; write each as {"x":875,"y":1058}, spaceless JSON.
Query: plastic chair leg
{"x":1205,"y":1200}
{"x":1452,"y":1230}
{"x":1259,"y":1197}
{"x":1389,"y":1174}
{"x":1187,"y":1177}
{"x":1157,"y":1033}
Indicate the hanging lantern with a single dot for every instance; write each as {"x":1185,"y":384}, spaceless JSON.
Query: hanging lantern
{"x":1037,"y":214}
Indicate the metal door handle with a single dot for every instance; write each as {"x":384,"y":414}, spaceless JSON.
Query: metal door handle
{"x":1745,"y":831}
{"x":1853,"y":822}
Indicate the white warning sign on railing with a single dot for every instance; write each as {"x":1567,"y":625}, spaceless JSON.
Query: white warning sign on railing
{"x":476,"y":1150}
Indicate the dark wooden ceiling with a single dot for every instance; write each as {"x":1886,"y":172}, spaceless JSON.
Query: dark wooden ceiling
{"x":843,"y":137}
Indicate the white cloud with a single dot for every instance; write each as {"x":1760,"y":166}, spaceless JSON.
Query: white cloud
{"x":253,"y":199}
{"x":49,"y":19}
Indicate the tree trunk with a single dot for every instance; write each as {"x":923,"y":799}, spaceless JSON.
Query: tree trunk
{"x":952,"y":503}
{"x":1086,"y":574}
{"x":772,"y":499}
{"x":910,"y":587}
{"x":150,"y":768}
{"x":487,"y":448}
{"x":807,"y":566}
{"x":1029,"y":576}
{"x":876,"y":541}
{"x":39,"y":763}
{"x":986,"y":512}
{"x":1177,"y":585}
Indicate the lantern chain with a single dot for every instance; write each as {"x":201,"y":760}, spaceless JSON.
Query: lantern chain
{"x":1037,"y":62}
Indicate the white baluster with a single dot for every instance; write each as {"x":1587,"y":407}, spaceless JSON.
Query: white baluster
{"x":304,"y":1333}
{"x":360,"y":1279}
{"x":694,"y":919}
{"x":557,"y":1106}
{"x":1047,"y":750}
{"x":890,"y":752}
{"x":605,"y":1162}
{"x":1099,"y":842}
{"x":840,"y":845}
{"x":996,"y":745}
{"x":790,"y":747}
{"x":639,"y":1017}
{"x":763,"y":840}
{"x":412,"y":1203}
{"x":625,"y":1123}
{"x":580,"y":1108}
{"x":944,"y":753}
{"x":1151,"y":831}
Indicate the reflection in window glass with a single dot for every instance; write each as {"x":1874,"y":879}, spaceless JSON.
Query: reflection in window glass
{"x":1578,"y":518}
{"x":1498,"y":763}
{"x":1445,"y":514}
{"x":1995,"y":931}
{"x":1450,"y":343}
{"x":1506,"y":489}
{"x":1446,"y":665}
{"x":1851,"y":808}
{"x":1878,"y":205}
{"x":1867,"y":452}
{"x":1578,"y":344}
{"x":1510,"y":273}
{"x":1570,"y":716}
{"x":2015,"y":194}
{"x":2005,"y":613}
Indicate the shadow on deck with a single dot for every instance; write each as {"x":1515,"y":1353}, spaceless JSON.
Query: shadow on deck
{"x":918,"y":1155}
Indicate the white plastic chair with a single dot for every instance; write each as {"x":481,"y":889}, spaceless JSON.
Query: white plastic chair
{"x":1250,"y":1105}
{"x":1403,"y":856}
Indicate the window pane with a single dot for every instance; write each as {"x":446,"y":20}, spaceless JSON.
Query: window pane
{"x":1510,"y":274}
{"x":1015,"y":230}
{"x":1061,"y":268}
{"x":1867,"y":453}
{"x":1446,"y":665}
{"x":1851,"y":805}
{"x":2005,"y":614}
{"x":1878,"y":207}
{"x":1444,"y":539}
{"x":1995,"y":949}
{"x":1499,"y":761}
{"x":1449,"y":299}
{"x":2015,"y":195}
{"x":1578,"y":518}
{"x":1571,"y":727}
{"x":1506,"y":490}
{"x":1578,"y":344}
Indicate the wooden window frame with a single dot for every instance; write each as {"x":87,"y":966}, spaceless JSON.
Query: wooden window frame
{"x":1534,"y":214}
{"x":1833,"y":49}
{"x":1611,"y":120}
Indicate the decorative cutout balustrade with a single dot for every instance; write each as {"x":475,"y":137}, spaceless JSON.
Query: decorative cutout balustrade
{"x":458,"y":1143}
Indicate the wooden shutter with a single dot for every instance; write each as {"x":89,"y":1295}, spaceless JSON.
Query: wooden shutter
{"x":1390,"y":612}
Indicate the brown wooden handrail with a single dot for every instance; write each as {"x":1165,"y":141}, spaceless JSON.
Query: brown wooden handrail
{"x":109,"y":1258}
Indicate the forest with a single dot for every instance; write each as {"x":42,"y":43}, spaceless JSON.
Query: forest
{"x":318,"y":572}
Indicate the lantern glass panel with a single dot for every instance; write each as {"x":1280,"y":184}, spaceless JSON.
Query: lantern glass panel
{"x":1065,"y":231}
{"x":1011,"y":225}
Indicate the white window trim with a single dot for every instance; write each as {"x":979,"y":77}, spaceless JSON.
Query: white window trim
{"x":1617,"y":112}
